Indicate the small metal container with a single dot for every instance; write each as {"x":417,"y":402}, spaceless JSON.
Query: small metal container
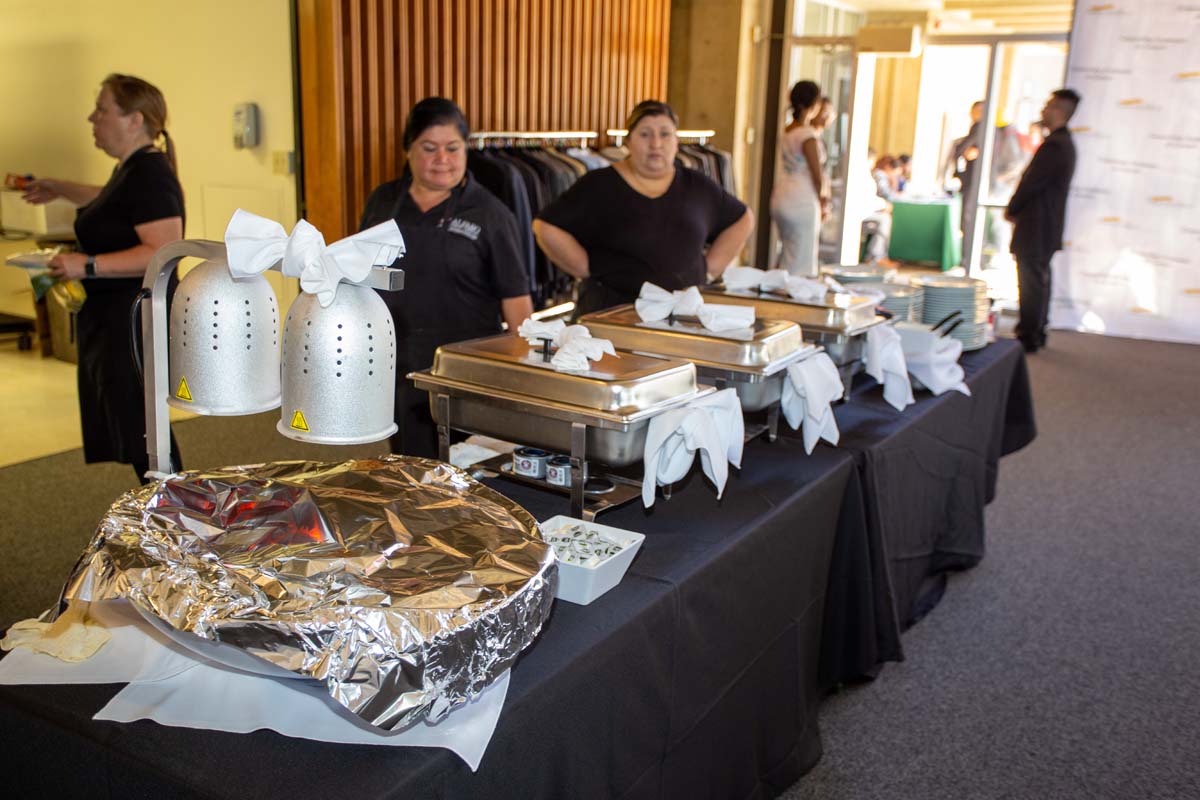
{"x":558,"y":471}
{"x":532,"y":462}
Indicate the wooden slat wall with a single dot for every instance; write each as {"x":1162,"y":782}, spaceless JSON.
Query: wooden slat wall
{"x":510,"y":64}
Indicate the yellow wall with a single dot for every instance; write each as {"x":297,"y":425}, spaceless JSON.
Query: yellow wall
{"x":894,"y":112}
{"x":205,"y":57}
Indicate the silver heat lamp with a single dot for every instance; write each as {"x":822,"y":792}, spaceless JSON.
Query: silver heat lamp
{"x":337,"y":406}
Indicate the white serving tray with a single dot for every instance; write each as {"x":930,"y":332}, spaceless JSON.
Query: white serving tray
{"x":582,"y":585}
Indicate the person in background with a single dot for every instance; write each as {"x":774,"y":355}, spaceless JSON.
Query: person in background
{"x":801,"y":199}
{"x":886,"y":174}
{"x":643,"y":219}
{"x":876,"y":229}
{"x":464,"y":268}
{"x":1037,"y":211}
{"x":904,"y":160}
{"x":119,"y":226}
{"x":966,"y":163}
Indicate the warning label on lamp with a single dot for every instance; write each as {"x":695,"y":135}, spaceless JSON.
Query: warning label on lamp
{"x":183,"y":393}
{"x":298,"y":421}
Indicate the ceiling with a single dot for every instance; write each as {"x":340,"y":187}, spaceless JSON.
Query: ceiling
{"x":980,"y":16}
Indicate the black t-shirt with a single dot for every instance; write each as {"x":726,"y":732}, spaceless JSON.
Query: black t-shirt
{"x":631,"y":238}
{"x":461,"y":258}
{"x":142,"y":189}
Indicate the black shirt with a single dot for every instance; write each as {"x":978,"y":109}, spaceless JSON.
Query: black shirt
{"x":1039,"y":204}
{"x":142,"y":189}
{"x":461,"y":258}
{"x":631,"y":238}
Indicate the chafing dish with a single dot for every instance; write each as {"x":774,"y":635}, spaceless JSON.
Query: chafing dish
{"x":839,"y":322}
{"x":753,"y":361}
{"x":501,"y":386}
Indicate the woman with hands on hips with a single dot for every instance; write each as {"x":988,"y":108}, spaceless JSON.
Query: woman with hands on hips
{"x":643,"y":219}
{"x":119,"y":227}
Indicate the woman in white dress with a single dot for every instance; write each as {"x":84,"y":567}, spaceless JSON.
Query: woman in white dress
{"x":801,"y":198}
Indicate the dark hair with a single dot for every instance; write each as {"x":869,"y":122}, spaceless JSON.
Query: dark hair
{"x":134,"y":94}
{"x":1068,"y":96}
{"x":903,"y":158}
{"x":650,"y":108}
{"x":804,"y":95}
{"x":433,"y":111}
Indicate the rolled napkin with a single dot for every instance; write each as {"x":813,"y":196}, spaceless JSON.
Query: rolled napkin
{"x":932,"y":359}
{"x":253,"y":244}
{"x":535,"y":332}
{"x":811,"y":387}
{"x":806,"y":289}
{"x":722,"y":317}
{"x":655,"y":303}
{"x":712,"y":425}
{"x":885,"y":363}
{"x":833,"y":284}
{"x":576,"y":348}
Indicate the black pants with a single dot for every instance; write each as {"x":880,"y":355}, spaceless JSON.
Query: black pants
{"x":1033,"y":282}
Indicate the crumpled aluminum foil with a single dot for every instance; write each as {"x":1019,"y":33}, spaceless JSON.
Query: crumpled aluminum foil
{"x":401,"y":583}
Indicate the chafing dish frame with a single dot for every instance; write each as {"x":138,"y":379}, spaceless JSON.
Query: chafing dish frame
{"x":474,"y":408}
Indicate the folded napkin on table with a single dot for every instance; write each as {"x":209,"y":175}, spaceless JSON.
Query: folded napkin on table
{"x":811,"y":386}
{"x":253,"y":244}
{"x":885,"y":363}
{"x":932,"y":359}
{"x":719,"y":317}
{"x":806,"y":289}
{"x":750,"y":278}
{"x":712,"y":425}
{"x":655,"y":303}
{"x":576,"y":347}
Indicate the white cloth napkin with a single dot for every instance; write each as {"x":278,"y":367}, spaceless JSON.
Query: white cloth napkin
{"x":806,"y":289}
{"x":932,"y":359}
{"x":750,"y":278}
{"x":534,"y":331}
{"x":253,"y":244}
{"x":209,"y":697}
{"x":655,"y":303}
{"x":170,"y":684}
{"x":712,"y":425}
{"x":576,"y":346}
{"x":719,"y":317}
{"x":811,"y":387}
{"x":885,"y":363}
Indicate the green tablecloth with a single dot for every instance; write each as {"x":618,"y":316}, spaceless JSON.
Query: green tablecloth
{"x":927,"y":230}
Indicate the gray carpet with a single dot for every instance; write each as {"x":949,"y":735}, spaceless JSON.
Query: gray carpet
{"x":1067,"y":665}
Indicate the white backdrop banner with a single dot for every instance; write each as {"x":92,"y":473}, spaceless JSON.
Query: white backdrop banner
{"x":1130,"y":264}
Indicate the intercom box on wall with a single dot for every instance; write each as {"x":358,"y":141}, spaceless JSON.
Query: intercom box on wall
{"x":245,"y":125}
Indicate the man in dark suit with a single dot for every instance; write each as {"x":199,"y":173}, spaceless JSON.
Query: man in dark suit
{"x":1037,"y":210}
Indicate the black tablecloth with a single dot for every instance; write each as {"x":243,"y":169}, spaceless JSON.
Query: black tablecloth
{"x":927,"y":474}
{"x":695,"y":677}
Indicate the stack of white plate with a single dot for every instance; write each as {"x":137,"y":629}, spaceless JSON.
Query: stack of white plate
{"x":904,"y":301}
{"x":860,"y":273}
{"x":945,"y":295}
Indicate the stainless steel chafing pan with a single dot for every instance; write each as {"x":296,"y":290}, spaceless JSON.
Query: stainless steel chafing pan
{"x":838,"y":323}
{"x":753,"y":361}
{"x":502,"y":387}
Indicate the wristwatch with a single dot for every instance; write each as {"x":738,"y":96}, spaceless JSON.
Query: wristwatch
{"x":89,"y":267}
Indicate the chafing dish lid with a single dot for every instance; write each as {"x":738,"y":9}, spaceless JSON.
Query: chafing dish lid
{"x":843,"y":312}
{"x":623,"y":385}
{"x":763,"y":347}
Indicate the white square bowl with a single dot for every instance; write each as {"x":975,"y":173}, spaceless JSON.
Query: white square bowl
{"x":582,"y":585}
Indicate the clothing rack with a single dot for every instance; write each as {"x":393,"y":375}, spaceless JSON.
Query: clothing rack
{"x":698,"y":137}
{"x":480,"y":138}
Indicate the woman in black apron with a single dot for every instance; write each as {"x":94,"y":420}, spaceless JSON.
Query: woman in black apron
{"x":119,"y":227}
{"x":464,"y":270}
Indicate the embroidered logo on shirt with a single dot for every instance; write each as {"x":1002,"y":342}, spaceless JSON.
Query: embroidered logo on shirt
{"x":464,"y":228}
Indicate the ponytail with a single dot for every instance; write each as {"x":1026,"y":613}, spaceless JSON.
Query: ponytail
{"x":169,"y":149}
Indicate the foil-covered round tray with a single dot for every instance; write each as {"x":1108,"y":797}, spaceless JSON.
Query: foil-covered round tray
{"x":402,"y":584}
